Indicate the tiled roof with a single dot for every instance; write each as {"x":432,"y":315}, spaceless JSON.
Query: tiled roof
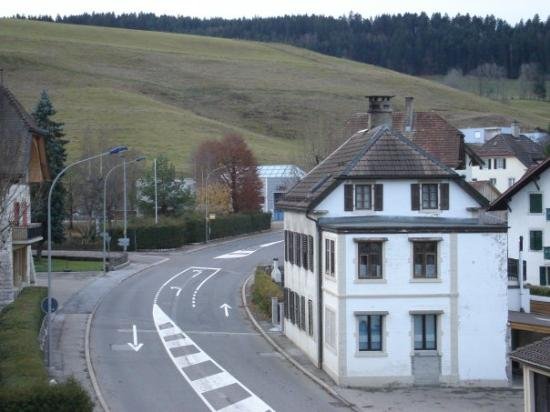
{"x":380,"y":153}
{"x":27,"y":119}
{"x":429,"y":130}
{"x":527,"y":151}
{"x":536,"y":354}
{"x":501,"y":203}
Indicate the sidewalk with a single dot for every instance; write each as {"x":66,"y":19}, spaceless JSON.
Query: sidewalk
{"x":78,"y":294}
{"x":411,"y":399}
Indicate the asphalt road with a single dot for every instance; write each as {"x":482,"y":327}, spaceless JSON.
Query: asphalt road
{"x":186,"y":354}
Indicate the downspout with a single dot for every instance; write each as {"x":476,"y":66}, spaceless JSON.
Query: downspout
{"x":319,"y":295}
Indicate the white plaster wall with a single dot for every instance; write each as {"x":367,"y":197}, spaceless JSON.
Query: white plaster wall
{"x":521,"y":222}
{"x":397,"y":201}
{"x":483,"y":307}
{"x":514,"y":168}
{"x":304,"y":283}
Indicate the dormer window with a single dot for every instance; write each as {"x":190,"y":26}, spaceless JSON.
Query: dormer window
{"x":363,"y":197}
{"x":430,"y":196}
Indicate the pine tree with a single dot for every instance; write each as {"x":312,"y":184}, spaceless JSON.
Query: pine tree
{"x":56,"y":156}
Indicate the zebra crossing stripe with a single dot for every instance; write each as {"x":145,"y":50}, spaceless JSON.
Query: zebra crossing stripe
{"x":217,"y":388}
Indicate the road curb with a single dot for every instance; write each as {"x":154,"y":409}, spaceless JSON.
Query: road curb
{"x":287,"y":356}
{"x":89,"y":364}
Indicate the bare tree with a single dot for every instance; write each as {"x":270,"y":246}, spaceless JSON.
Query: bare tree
{"x":489,"y":79}
{"x":455,"y":79}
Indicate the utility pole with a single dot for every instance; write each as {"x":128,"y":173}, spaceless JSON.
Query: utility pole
{"x":156,"y":195}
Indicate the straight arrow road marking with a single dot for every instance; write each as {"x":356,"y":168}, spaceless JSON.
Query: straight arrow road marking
{"x":135,"y":346}
{"x":178,"y":290}
{"x":226,"y":308}
{"x":197,"y":273}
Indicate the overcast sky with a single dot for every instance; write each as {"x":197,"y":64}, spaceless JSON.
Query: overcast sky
{"x":511,"y":11}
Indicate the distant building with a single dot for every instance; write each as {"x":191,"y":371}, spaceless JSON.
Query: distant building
{"x":276,"y":181}
{"x":535,"y":361}
{"x":391,"y":275}
{"x":479,"y":135}
{"x":506,"y":157}
{"x":22,"y":161}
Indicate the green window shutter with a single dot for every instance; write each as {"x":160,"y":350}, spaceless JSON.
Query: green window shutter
{"x":535,"y":203}
{"x":547,"y":253}
{"x":415,"y":196}
{"x":535,"y":240}
{"x":542,"y":272}
{"x":348,"y":198}
{"x":378,"y":197}
{"x":444,"y":202}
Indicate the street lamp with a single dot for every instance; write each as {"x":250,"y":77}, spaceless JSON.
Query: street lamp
{"x":206,"y":202}
{"x":114,"y":150}
{"x":123,"y":164}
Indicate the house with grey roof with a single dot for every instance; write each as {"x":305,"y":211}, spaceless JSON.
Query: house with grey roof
{"x":393,"y":275}
{"x":535,"y":361}
{"x":506,"y":157}
{"x":22,"y":161}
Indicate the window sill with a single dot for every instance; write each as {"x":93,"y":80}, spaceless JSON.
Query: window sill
{"x":430,"y":353}
{"x":371,"y":354}
{"x":367,"y":281}
{"x":426,"y":280}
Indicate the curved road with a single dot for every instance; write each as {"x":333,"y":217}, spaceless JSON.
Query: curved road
{"x":162,"y":340}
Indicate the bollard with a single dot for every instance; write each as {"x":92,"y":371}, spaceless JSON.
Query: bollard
{"x":275,"y":272}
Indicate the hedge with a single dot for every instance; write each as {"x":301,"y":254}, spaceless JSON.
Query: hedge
{"x":174,"y":233}
{"x":539,"y":290}
{"x":23,"y":377}
{"x":263,"y":290}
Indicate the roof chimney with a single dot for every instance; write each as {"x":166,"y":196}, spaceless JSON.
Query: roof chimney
{"x":380,"y":111}
{"x":409,"y":113}
{"x":515,"y":128}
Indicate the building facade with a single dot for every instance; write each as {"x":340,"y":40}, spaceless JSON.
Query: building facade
{"x":23,"y":161}
{"x":391,"y":275}
{"x":276,"y":181}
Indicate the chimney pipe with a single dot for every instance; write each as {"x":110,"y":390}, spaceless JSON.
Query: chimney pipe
{"x":409,"y":113}
{"x":380,"y":111}
{"x":515,"y":128}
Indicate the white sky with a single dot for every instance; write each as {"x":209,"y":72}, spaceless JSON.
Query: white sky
{"x":510,"y":10}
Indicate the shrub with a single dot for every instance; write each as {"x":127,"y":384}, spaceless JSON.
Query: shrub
{"x":263,"y":290}
{"x":63,"y":397}
{"x":237,"y":224}
{"x":539,"y":290}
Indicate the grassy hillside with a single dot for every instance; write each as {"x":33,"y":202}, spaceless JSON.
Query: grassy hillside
{"x":163,"y":93}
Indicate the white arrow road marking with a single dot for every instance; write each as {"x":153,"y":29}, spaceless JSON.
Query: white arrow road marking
{"x":178,"y":290}
{"x":135,"y":346}
{"x":272,"y":243}
{"x":236,"y":254}
{"x":179,"y":274}
{"x":226,"y":308}
{"x":217,"y":388}
{"x":197,"y":273}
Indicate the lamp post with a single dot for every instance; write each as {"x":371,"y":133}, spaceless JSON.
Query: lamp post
{"x":156,"y":195}
{"x":114,"y":150}
{"x":123,"y":164}
{"x":206,"y":202}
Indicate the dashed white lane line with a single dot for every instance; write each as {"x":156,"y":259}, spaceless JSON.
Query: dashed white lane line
{"x":216,"y":387}
{"x":199,"y":286}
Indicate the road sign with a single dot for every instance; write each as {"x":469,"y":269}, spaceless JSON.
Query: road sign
{"x":212,"y":216}
{"x":124,"y":241}
{"x":44,"y":305}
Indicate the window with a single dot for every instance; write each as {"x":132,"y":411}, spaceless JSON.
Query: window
{"x":302,"y":313}
{"x":535,"y":240}
{"x":488,"y":163}
{"x":541,"y":389}
{"x":535,"y":202}
{"x":363,"y":197}
{"x":425,"y":259}
{"x":329,"y":257}
{"x":297,"y":249}
{"x":286,"y":245}
{"x":544,"y":272}
{"x":513,"y":269}
{"x":500,"y":163}
{"x":429,"y":196}
{"x":310,"y":252}
{"x":511,"y":181}
{"x":425,"y":332}
{"x":370,"y":332}
{"x":286,"y":302}
{"x":493,"y":181}
{"x":330,"y":328}
{"x":310,"y":317}
{"x":291,"y":247}
{"x":297,"y":309}
{"x":291,"y":306}
{"x":370,"y":260}
{"x":304,"y":251}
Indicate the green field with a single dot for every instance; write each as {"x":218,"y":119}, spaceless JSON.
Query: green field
{"x":164,"y":93}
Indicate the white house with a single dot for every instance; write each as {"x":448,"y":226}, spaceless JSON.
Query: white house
{"x":391,"y":276}
{"x":506,"y":157}
{"x":22,"y":161}
{"x":528,"y":206}
{"x":276,"y":181}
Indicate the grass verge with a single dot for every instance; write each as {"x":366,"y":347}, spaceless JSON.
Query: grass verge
{"x":263,"y":290}
{"x":23,"y":377}
{"x":65,"y":265}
